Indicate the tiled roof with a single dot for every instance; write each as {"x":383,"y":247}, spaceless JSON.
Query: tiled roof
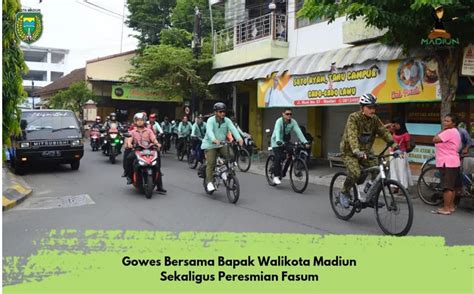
{"x":63,"y":82}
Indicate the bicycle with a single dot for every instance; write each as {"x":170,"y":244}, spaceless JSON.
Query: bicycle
{"x":241,"y":156}
{"x":185,"y":145}
{"x":195,"y":155}
{"x":429,"y":186}
{"x":379,"y":195}
{"x":224,"y":173}
{"x":299,"y":174}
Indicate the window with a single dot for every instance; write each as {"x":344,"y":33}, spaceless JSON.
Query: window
{"x":302,"y":21}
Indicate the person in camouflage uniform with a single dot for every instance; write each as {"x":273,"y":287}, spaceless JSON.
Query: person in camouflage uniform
{"x":359,"y":136}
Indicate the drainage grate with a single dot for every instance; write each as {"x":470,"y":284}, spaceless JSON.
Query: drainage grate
{"x":55,"y":202}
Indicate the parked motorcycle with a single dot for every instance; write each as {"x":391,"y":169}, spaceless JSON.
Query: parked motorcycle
{"x":95,"y":138}
{"x":113,"y":142}
{"x":145,"y":170}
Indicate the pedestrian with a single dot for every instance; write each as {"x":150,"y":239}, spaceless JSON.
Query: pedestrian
{"x":447,"y":145}
{"x":399,"y":167}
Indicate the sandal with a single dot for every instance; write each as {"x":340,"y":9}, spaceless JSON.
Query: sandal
{"x":439,"y":211}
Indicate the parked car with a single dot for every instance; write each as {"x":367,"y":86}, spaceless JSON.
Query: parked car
{"x":47,"y":136}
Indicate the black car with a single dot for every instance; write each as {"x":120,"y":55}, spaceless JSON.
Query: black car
{"x":47,"y":136}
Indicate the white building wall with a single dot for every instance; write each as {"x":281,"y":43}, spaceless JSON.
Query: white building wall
{"x":314,"y":38}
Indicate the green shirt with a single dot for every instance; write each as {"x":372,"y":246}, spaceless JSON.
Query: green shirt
{"x":199,"y":131}
{"x":360,"y":133}
{"x":216,"y":130}
{"x":184,"y":130}
{"x":166,"y":126}
{"x":282,"y":128}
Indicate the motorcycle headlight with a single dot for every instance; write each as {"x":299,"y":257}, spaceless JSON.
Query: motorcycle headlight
{"x":153,"y":163}
{"x":76,"y":143}
{"x":25,"y":145}
{"x":141,"y":162}
{"x":102,"y":135}
{"x":105,"y":141}
{"x":121,"y":141}
{"x":113,"y":136}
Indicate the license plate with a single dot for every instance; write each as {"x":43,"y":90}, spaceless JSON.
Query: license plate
{"x":51,"y":153}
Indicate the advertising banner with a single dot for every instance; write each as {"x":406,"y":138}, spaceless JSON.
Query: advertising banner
{"x":467,"y":68}
{"x":392,"y":82}
{"x":125,"y":92}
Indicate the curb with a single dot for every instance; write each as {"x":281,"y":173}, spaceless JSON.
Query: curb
{"x":15,"y":190}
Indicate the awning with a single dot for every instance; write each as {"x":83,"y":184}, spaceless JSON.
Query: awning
{"x":312,"y":63}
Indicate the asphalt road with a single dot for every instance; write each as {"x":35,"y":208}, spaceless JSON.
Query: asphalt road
{"x":186,"y":207}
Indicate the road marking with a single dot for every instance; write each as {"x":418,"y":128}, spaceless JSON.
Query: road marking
{"x":36,"y":203}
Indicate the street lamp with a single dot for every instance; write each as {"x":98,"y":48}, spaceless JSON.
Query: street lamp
{"x":272,"y":6}
{"x":32,"y":92}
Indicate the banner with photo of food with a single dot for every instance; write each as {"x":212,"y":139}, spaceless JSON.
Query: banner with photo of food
{"x":410,"y":80}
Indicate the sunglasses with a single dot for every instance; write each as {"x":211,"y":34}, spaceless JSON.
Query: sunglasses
{"x":288,"y":113}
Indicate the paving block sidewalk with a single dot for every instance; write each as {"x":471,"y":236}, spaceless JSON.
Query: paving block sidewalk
{"x":15,"y":189}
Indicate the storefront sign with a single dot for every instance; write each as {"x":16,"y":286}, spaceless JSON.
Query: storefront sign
{"x":123,"y":92}
{"x":468,"y":61}
{"x":392,"y":82}
{"x":421,"y":153}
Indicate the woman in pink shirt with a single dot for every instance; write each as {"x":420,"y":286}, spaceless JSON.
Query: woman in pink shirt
{"x":447,"y":144}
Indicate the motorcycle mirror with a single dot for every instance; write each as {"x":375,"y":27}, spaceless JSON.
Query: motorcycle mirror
{"x":267,"y":131}
{"x":126,"y":135}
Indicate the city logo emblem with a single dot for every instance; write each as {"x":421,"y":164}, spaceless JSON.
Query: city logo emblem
{"x":29,"y":25}
{"x":439,"y":37}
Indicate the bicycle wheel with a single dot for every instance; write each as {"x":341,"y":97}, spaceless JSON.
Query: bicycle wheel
{"x":180,"y":155}
{"x":429,"y":186}
{"x":394,"y":212}
{"x":232,"y":189}
{"x":243,"y":159}
{"x":192,"y":160}
{"x":335,"y":189}
{"x":299,"y":175}
{"x":269,"y":170}
{"x":430,"y":162}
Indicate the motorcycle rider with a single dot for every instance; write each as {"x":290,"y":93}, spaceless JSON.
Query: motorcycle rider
{"x":166,"y":127}
{"x":217,"y":128}
{"x":139,"y":135}
{"x":359,"y":136}
{"x":184,"y":132}
{"x":197,"y":134}
{"x":97,"y":124}
{"x":282,"y":134}
{"x":154,"y":125}
{"x":113,"y":120}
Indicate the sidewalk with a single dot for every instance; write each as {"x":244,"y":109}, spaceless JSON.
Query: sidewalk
{"x":319,"y":171}
{"x":15,"y":189}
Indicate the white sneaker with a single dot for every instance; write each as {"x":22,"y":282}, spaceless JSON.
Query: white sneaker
{"x":276,"y":181}
{"x":210,"y":187}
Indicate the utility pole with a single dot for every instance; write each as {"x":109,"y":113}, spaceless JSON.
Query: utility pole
{"x":32,"y":92}
{"x":196,"y":44}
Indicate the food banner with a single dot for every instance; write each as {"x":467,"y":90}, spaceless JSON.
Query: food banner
{"x":396,"y":81}
{"x":126,"y":92}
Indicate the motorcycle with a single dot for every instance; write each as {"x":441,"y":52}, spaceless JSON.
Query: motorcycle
{"x":95,"y":139}
{"x":145,"y":174}
{"x":113,"y":142}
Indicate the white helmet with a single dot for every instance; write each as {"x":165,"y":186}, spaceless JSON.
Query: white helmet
{"x":138,"y":116}
{"x":368,"y":100}
{"x":173,"y":121}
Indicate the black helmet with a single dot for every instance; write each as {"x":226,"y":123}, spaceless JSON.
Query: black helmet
{"x":219,"y":106}
{"x":368,"y":100}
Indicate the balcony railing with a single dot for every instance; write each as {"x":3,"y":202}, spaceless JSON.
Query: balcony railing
{"x":270,"y":25}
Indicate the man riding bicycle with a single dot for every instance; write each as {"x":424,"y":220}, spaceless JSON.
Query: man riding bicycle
{"x":139,"y":136}
{"x":217,"y":128}
{"x":167,"y":130}
{"x":282,"y":134}
{"x":197,"y":134}
{"x":184,"y":132}
{"x":357,"y":141}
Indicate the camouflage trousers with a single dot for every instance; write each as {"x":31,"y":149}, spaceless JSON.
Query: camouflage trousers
{"x":353,"y":165}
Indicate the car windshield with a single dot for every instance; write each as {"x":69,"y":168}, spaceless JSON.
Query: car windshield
{"x":54,"y":120}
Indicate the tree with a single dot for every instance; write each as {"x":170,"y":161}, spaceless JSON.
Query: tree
{"x":73,"y":98}
{"x":169,"y":70}
{"x":14,"y":66}
{"x":175,"y":37}
{"x":184,"y":11}
{"x":149,"y":18}
{"x":408,"y":22}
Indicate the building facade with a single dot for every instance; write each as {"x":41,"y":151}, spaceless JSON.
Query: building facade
{"x":45,"y":64}
{"x":275,"y":59}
